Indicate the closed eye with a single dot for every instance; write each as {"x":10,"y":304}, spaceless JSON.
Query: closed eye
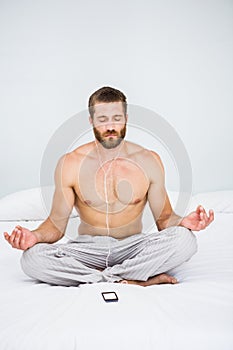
{"x":102,"y":119}
{"x":117,"y":118}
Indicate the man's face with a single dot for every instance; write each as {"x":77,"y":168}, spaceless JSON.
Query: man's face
{"x":109,"y":124}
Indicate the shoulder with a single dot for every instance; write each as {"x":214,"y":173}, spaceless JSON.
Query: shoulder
{"x":69,"y":163}
{"x":82,"y":151}
{"x":148,"y":160}
{"x":140,"y":154}
{"x":76,"y":156}
{"x":154,"y":166}
{"x":157,"y":158}
{"x":153,"y":163}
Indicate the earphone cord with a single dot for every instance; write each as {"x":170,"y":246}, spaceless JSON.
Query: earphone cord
{"x":107,"y":203}
{"x":107,"y":218}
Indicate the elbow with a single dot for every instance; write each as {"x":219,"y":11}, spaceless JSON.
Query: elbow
{"x":161,"y":225}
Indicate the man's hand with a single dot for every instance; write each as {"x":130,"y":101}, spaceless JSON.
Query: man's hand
{"x":21,"y":238}
{"x":198,"y":220}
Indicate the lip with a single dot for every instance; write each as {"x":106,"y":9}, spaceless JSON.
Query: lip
{"x":111,"y":136}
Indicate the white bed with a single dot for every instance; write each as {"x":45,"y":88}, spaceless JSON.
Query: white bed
{"x":195,"y":314}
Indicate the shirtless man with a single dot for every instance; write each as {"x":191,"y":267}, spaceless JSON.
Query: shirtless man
{"x":109,"y":182}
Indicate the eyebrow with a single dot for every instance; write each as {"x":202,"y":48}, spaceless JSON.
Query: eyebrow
{"x":104,"y":116}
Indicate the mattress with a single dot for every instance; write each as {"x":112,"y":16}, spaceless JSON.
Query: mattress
{"x":196,"y":313}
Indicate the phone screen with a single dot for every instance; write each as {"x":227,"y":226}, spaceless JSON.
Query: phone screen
{"x":110,"y":296}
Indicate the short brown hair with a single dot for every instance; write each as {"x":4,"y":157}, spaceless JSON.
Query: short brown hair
{"x":106,"y":94}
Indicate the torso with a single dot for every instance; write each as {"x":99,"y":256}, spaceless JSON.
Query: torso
{"x":119,"y":187}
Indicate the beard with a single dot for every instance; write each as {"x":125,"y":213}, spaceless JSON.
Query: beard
{"x":110,"y":142}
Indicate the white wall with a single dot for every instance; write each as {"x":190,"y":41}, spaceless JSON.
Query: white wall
{"x":174,"y":57}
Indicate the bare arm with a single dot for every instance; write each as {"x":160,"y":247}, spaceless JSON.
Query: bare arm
{"x":161,"y":206}
{"x":158,"y":198}
{"x":53,"y":228}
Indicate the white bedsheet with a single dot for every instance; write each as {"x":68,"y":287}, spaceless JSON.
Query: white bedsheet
{"x":195,"y":314}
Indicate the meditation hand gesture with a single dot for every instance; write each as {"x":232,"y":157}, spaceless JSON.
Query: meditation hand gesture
{"x":21,"y":238}
{"x":198,"y":220}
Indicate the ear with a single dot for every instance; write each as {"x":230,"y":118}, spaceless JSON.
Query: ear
{"x":90,"y":120}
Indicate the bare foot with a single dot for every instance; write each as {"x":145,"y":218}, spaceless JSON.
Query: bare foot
{"x":163,"y":278}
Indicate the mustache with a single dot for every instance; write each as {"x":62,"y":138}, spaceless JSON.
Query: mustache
{"x":112,"y":132}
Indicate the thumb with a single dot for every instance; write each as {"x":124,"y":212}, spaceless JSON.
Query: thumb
{"x":21,"y":228}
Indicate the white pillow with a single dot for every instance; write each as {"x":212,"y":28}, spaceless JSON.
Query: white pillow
{"x":219,"y":201}
{"x":29,"y":204}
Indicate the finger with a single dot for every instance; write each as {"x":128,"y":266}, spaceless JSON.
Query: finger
{"x":19,"y":227}
{"x":199,"y":208}
{"x":211,"y":215}
{"x":17,"y":240}
{"x":204,"y":216}
{"x":210,"y":218}
{"x":201,"y":221}
{"x":202,"y":210}
{"x":22,"y":241}
{"x":7,"y":236}
{"x":13,"y":236}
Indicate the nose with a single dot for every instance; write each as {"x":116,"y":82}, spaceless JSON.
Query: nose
{"x":110,"y":126}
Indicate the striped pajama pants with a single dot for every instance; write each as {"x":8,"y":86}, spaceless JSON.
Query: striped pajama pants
{"x":137,"y":257}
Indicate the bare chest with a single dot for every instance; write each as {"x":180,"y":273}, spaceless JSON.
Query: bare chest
{"x":118,"y":183}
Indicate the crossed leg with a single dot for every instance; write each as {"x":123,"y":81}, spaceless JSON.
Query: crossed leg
{"x":141,"y":260}
{"x":162,"y":252}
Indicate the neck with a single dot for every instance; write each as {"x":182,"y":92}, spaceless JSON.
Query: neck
{"x":110,"y":153}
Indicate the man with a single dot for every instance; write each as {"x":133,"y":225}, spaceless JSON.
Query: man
{"x":109,"y":182}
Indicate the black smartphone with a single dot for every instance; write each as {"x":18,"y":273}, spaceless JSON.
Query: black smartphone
{"x":110,"y":296}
